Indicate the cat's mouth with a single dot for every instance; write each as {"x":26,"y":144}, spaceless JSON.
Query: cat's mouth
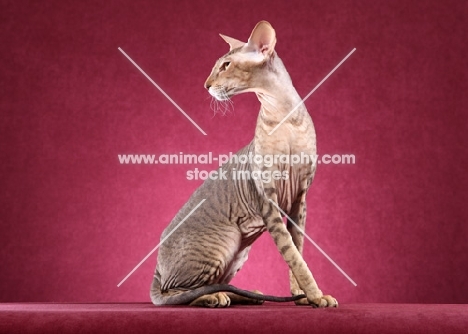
{"x":221,"y":94}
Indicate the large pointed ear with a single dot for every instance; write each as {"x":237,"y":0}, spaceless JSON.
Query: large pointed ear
{"x":233,"y":43}
{"x":263,"y":38}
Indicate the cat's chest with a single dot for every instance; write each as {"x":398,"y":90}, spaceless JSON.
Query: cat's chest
{"x":287,"y":140}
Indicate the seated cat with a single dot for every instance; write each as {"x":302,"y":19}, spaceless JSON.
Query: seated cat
{"x":200,"y":257}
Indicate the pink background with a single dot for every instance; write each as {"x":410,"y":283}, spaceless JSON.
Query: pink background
{"x":74,"y":221}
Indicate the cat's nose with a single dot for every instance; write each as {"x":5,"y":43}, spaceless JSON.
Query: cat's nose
{"x":208,"y":83}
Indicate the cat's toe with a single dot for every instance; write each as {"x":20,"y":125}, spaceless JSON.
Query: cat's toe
{"x":223,"y":299}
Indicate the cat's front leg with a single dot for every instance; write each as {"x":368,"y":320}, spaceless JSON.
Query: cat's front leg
{"x":293,"y":258}
{"x":298,"y":216}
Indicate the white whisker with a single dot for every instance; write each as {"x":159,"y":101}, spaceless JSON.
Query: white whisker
{"x":221,"y":103}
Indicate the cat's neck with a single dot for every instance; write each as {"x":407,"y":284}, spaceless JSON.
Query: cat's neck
{"x":278,"y":98}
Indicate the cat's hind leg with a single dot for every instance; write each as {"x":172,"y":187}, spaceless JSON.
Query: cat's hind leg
{"x":157,"y":296}
{"x":225,"y":299}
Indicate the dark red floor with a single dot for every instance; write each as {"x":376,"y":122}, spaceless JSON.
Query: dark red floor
{"x":269,"y":318}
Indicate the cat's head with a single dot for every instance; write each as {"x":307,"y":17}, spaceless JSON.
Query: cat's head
{"x":243,"y":68}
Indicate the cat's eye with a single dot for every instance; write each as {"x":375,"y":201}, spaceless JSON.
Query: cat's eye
{"x":225,"y":65}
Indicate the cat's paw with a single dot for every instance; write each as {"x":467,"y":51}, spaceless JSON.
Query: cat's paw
{"x":324,"y":301}
{"x":218,"y":299}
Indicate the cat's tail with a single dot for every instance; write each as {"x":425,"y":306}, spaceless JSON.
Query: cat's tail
{"x":186,"y":297}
